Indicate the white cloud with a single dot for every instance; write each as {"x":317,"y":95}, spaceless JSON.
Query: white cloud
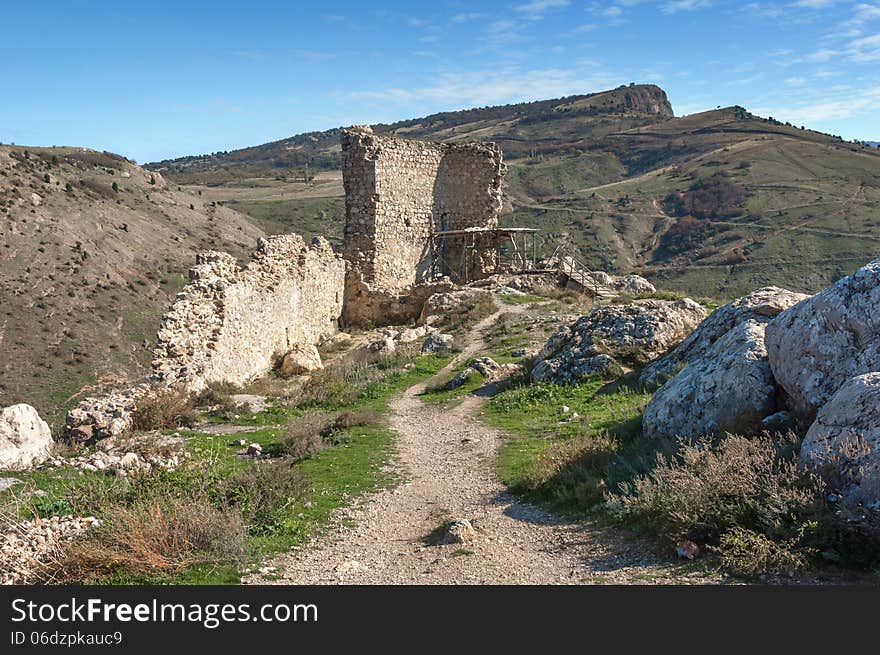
{"x":685,"y":5}
{"x":813,"y":4}
{"x":612,"y":11}
{"x":821,"y":56}
{"x":537,"y":8}
{"x":480,"y":88}
{"x":466,"y":17}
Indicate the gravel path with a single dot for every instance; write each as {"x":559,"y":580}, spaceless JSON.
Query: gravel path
{"x":446,"y":454}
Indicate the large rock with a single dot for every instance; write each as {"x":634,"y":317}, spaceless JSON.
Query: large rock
{"x":439,"y":305}
{"x":25,"y":438}
{"x":761,"y":305}
{"x":729,"y":388}
{"x":823,"y":341}
{"x":640,"y":330}
{"x":844,"y":441}
{"x":301,"y":360}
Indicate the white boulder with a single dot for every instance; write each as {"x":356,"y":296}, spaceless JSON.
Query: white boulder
{"x":25,"y":438}
{"x":823,"y":341}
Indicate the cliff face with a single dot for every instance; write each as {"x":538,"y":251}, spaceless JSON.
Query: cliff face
{"x":648,"y":99}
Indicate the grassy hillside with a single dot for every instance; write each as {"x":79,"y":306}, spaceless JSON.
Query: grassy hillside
{"x":713,"y":204}
{"x":93,"y":248}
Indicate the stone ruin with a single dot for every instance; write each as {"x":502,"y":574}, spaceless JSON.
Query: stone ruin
{"x":232,"y":324}
{"x":399,"y":193}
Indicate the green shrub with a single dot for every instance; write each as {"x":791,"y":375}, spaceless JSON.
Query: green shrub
{"x":263,"y":493}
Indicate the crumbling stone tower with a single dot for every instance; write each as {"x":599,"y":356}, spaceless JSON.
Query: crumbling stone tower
{"x":398,"y":193}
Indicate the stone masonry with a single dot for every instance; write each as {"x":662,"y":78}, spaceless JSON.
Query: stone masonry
{"x":398,"y":192}
{"x":230,"y":324}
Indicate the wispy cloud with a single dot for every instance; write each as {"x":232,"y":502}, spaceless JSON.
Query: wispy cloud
{"x":537,"y":8}
{"x":813,"y":4}
{"x":466,"y":17}
{"x":480,"y":88}
{"x":685,"y":5}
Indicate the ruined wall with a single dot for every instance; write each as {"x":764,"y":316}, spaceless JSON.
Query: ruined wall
{"x":397,"y":193}
{"x":229,"y":324}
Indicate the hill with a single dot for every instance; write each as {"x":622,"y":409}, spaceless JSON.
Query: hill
{"x":716,"y":203}
{"x":93,"y":247}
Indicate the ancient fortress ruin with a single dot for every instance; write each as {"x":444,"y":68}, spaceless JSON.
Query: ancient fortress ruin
{"x":400,"y":194}
{"x":232,"y":324}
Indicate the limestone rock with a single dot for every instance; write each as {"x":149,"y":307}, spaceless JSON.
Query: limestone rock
{"x":301,"y":360}
{"x":457,"y":531}
{"x":641,"y":329}
{"x":761,"y":305}
{"x":486,"y":367}
{"x":823,"y":341}
{"x":729,"y":388}
{"x":437,"y":343}
{"x":25,"y":438}
{"x":845,"y":440}
{"x":438,"y":305}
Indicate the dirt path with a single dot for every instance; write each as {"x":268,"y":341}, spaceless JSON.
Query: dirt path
{"x":447,"y":457}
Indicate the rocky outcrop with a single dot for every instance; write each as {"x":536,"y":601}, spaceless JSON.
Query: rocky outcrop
{"x":230,"y":324}
{"x":615,"y":333}
{"x":844,"y":441}
{"x":301,"y":360}
{"x":439,"y":305}
{"x":823,"y":341}
{"x":488,"y":368}
{"x":25,"y":438}
{"x":437,"y":343}
{"x":761,"y":305}
{"x":729,"y":388}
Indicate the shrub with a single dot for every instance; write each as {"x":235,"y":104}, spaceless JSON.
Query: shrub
{"x":152,"y":536}
{"x":302,"y":437}
{"x":164,"y":410}
{"x":751,"y":553}
{"x":263,"y":492}
{"x":739,"y":495}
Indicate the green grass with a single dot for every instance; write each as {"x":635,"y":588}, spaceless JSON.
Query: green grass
{"x":335,"y":476}
{"x":542,"y":456}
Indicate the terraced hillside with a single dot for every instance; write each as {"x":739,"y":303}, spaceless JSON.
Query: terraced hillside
{"x":714,"y":204}
{"x":92,"y":248}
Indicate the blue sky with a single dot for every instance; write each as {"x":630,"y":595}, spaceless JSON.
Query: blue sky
{"x":158,"y":79}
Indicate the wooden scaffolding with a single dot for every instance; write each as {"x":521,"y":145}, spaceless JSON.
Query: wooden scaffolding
{"x":465,"y":255}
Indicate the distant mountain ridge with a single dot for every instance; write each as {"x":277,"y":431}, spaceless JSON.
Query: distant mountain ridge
{"x":624,"y":107}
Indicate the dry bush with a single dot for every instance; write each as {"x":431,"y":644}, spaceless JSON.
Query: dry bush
{"x":167,"y":409}
{"x":338,"y":385}
{"x":150,"y":537}
{"x":707,"y":489}
{"x":302,"y":437}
